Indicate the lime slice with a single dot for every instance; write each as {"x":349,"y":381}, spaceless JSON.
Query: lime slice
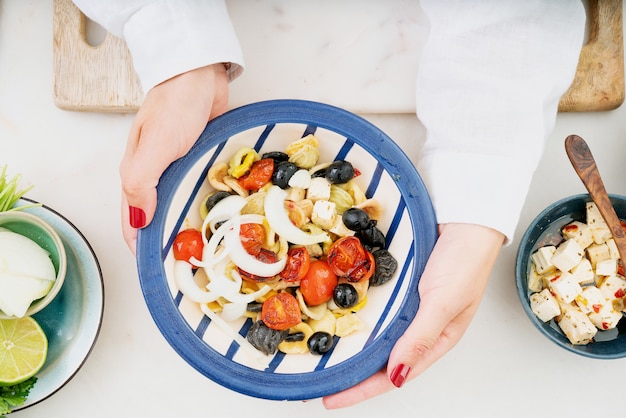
{"x":23,"y":350}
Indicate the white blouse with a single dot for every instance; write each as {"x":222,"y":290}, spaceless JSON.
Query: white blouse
{"x":490,"y":78}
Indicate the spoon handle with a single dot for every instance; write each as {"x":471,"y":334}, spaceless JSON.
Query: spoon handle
{"x":585,"y":166}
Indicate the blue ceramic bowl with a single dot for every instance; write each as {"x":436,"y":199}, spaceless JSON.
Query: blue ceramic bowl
{"x":42,"y":233}
{"x":545,"y":230}
{"x":408,"y":221}
{"x":72,"y":320}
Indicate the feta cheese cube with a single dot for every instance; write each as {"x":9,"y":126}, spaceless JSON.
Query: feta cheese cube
{"x":565,"y":287}
{"x":601,"y":235}
{"x":613,"y":251}
{"x":340,"y":229}
{"x":606,"y":317}
{"x":613,"y":287}
{"x":577,"y":327}
{"x":594,"y":218}
{"x":319,"y":189}
{"x":324,"y":213}
{"x":544,"y":305}
{"x":590,"y":299}
{"x":541,"y":259}
{"x":597,"y":253}
{"x":578,"y":231}
{"x":606,"y":267}
{"x":567,"y":255}
{"x":583,"y":272}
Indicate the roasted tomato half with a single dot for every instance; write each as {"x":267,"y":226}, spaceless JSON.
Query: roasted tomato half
{"x":347,"y":258}
{"x":298,"y":262}
{"x":318,"y":283}
{"x":281,"y":311}
{"x":188,"y":243}
{"x":260,"y":173}
{"x":252,"y":238}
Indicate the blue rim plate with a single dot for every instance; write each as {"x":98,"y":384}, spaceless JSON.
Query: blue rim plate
{"x":411,"y":230}
{"x":72,"y":321}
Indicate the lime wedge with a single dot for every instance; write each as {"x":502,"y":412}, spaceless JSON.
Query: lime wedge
{"x":23,"y":350}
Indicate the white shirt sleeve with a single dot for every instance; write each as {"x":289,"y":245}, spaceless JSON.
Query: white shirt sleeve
{"x":169,"y":37}
{"x":490,"y":78}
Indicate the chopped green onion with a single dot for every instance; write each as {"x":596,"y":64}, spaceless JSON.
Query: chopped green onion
{"x":10,"y":192}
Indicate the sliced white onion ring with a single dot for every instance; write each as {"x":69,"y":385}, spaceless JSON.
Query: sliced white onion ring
{"x":244,"y":260}
{"x":223,"y":210}
{"x":183,"y":277}
{"x":279,"y":220}
{"x":233,"y":311}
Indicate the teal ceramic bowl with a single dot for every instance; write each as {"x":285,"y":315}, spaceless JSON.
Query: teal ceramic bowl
{"x":545,"y":229}
{"x":46,"y":237}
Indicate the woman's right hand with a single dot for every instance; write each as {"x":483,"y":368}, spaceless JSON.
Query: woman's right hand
{"x":170,"y":120}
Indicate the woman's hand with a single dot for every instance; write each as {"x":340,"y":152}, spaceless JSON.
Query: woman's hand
{"x":450,"y":288}
{"x":170,"y":120}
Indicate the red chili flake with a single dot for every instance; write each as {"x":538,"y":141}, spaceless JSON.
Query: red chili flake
{"x":605,"y":325}
{"x":570,"y":228}
{"x":620,"y":293}
{"x":357,"y":173}
{"x":596,"y":307}
{"x":555,"y":278}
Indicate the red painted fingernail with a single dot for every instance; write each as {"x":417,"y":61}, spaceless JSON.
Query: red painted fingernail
{"x":399,"y":374}
{"x":137,"y":217}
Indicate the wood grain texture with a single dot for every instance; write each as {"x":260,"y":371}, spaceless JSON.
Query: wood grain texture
{"x":102,"y":78}
{"x":585,"y":166}
{"x":88,"y":78}
{"x":599,"y":81}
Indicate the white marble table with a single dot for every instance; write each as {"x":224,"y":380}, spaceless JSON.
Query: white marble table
{"x":502,"y":367}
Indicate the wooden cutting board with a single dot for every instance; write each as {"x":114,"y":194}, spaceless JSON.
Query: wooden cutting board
{"x":102,"y":79}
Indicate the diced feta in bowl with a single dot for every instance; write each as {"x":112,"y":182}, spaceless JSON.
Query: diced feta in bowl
{"x":570,"y":279}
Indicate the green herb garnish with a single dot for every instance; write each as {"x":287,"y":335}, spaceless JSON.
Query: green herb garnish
{"x":10,"y":192}
{"x":14,"y":396}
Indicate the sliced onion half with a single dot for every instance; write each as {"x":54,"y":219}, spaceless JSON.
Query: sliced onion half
{"x":279,"y":221}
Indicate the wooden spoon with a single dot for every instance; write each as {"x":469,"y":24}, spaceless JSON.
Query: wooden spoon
{"x":585,"y":166}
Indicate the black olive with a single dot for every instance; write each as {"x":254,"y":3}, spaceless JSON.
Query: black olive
{"x":345,"y":295}
{"x":339,"y":172}
{"x":356,"y":219}
{"x":214,"y":198}
{"x":371,"y":237}
{"x":254,"y":307}
{"x":295,"y":336}
{"x":319,"y":173}
{"x":320,"y":342}
{"x":386,"y":266}
{"x":277,"y":156}
{"x":282,"y":173}
{"x":264,"y":338}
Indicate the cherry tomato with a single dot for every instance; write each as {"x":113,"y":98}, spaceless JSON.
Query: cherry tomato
{"x":260,"y":173}
{"x":298,"y":261}
{"x":318,"y":283}
{"x":187,"y":244}
{"x":265,"y":256}
{"x":347,"y":258}
{"x":252,"y":237}
{"x":281,"y":311}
